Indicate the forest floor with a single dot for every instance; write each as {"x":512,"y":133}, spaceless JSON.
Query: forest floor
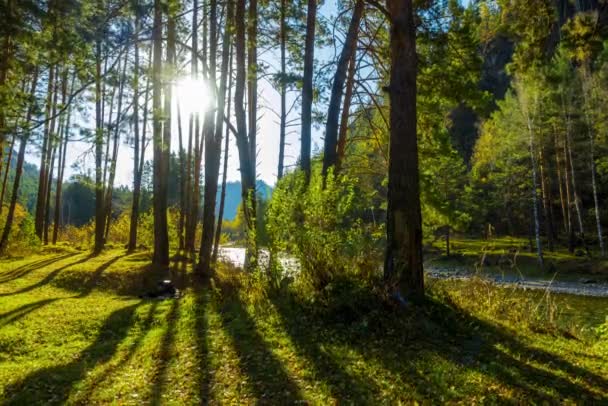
{"x":72,"y":330}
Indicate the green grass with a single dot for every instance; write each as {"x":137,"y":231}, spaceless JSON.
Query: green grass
{"x":72,"y":330}
{"x":512,"y":254}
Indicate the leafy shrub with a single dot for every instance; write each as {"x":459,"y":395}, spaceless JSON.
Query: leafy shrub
{"x":23,"y":239}
{"x":323,"y":228}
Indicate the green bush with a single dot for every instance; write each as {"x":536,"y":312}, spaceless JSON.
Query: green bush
{"x":323,"y":228}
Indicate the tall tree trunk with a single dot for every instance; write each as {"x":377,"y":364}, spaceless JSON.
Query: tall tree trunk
{"x":4,"y":68}
{"x":576,"y":198}
{"x":242,"y":142}
{"x":136,"y":178}
{"x":350,"y":84}
{"x":99,"y":184}
{"x":39,"y":214}
{"x":252,"y":75}
{"x":569,"y":198}
{"x":116,"y":145}
{"x":309,"y":57}
{"x":560,"y":181}
{"x":60,"y":174}
{"x":213,"y":148}
{"x":404,"y":221}
{"x":535,"y":211}
{"x":7,"y":169}
{"x":283,"y":91}
{"x":191,"y":205}
{"x":138,"y":168}
{"x":330,"y":153}
{"x":545,"y":188}
{"x":47,"y":197}
{"x":587,"y":89}
{"x":161,"y":237}
{"x":220,"y":217}
{"x":18,"y":169}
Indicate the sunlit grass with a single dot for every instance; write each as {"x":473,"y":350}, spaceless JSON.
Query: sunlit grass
{"x":72,"y":330}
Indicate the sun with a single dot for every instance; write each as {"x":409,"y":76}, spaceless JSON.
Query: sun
{"x":193,"y":95}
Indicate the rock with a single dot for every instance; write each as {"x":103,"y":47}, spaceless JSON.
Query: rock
{"x":588,"y":281}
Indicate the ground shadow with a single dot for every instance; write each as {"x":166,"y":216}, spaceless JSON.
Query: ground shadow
{"x":30,"y":267}
{"x":164,"y":356}
{"x":47,"y":279}
{"x":124,"y":359}
{"x":309,"y":341}
{"x":269,"y":380}
{"x":405,"y":341}
{"x":52,"y":385}
{"x":201,"y":326}
{"x":16,"y":314}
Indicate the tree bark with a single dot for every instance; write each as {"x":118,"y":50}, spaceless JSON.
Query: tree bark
{"x":330,"y":153}
{"x":252,"y":87}
{"x":307,"y":94}
{"x":213,"y":147}
{"x":404,"y":222}
{"x":161,"y":238}
{"x":220,"y":217}
{"x":350,"y":82}
{"x":246,"y":167}
{"x":283,"y":90}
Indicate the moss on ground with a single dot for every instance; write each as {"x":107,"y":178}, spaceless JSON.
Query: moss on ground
{"x":72,"y":330}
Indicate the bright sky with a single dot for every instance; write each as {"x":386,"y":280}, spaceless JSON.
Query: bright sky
{"x":267,"y":139}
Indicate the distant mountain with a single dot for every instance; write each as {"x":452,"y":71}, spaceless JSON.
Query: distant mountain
{"x":233,"y":197}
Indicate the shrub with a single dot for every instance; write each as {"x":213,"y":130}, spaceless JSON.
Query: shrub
{"x":323,"y":228}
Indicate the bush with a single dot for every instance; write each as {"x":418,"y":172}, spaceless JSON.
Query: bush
{"x":323,"y":228}
{"x":22,"y":239}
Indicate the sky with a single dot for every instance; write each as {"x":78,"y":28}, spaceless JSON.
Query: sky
{"x":267,"y":138}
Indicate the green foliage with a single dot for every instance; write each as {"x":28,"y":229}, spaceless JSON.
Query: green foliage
{"x":323,"y":227}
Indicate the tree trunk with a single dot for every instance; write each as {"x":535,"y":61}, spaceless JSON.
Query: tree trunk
{"x":252,"y":86}
{"x":9,"y":159}
{"x":283,"y":91}
{"x":213,"y":148}
{"x":99,"y":209}
{"x":116,"y":145}
{"x":220,"y":217}
{"x":350,"y":82}
{"x":545,"y":188}
{"x":586,"y":84}
{"x":161,"y":237}
{"x":539,"y":247}
{"x":330,"y":153}
{"x":307,"y":94}
{"x":191,"y":208}
{"x":404,"y":222}
{"x":246,"y":167}
{"x":39,"y":214}
{"x":136,"y":176}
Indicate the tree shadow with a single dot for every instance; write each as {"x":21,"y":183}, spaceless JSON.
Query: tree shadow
{"x":269,"y":380}
{"x":405,"y":342}
{"x":309,"y":339}
{"x":201,"y":325}
{"x":46,"y":280}
{"x":160,"y":377}
{"x":482,"y":341}
{"x":87,"y":287}
{"x":16,"y":314}
{"x":126,"y":356}
{"x":30,"y":267}
{"x":53,"y":385}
